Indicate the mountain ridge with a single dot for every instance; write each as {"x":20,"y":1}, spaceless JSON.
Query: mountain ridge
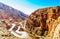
{"x":11,"y":11}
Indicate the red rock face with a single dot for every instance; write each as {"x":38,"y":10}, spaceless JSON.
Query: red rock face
{"x":42,"y":20}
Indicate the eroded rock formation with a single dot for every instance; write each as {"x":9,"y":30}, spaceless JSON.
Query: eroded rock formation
{"x":43,"y":21}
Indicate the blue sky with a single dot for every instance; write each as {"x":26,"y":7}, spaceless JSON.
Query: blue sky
{"x":28,"y":6}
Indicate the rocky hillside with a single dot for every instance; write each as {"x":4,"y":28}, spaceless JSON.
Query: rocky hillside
{"x":7,"y":12}
{"x":43,"y":22}
{"x":9,"y":16}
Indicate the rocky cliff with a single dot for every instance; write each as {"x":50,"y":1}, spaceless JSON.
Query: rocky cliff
{"x":43,"y":22}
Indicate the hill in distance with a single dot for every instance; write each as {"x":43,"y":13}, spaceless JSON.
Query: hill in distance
{"x":9,"y":12}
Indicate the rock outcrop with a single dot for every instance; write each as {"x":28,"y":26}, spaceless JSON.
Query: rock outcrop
{"x":43,"y":22}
